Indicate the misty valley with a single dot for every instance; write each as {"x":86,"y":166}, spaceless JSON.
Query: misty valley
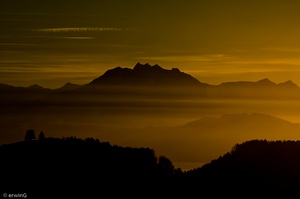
{"x":180,"y":117}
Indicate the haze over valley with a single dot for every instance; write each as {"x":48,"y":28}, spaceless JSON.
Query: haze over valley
{"x":189,"y":121}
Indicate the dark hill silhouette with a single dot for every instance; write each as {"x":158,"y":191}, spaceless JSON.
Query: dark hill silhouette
{"x":255,"y":167}
{"x":88,"y":166}
{"x":50,"y":165}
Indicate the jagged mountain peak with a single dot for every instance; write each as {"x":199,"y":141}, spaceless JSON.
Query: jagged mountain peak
{"x":145,"y":74}
{"x":140,"y":66}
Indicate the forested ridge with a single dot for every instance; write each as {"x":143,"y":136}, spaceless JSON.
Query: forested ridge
{"x":51,"y":164}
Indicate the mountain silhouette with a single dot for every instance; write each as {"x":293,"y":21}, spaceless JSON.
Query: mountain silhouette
{"x":144,"y":80}
{"x":36,"y":87}
{"x":147,"y":96}
{"x":262,"y":89}
{"x":15,"y":96}
{"x":146,"y":75}
{"x":239,"y":119}
{"x":34,"y":94}
{"x":68,"y":87}
{"x":267,"y":83}
{"x":288,"y":84}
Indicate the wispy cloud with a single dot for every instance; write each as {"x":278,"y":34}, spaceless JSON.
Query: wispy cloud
{"x":81,"y":29}
{"x":16,"y":44}
{"x":185,"y":58}
{"x":282,"y":49}
{"x":224,"y":64}
{"x":78,"y":38}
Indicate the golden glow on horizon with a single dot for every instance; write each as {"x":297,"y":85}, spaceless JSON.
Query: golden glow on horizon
{"x":214,"y":41}
{"x":54,"y":42}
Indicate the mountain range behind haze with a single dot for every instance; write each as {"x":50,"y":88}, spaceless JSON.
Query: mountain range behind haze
{"x":147,"y":80}
{"x":168,"y":110}
{"x":204,"y":139}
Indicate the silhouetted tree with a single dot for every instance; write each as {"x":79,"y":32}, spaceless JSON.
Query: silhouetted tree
{"x":165,"y":165}
{"x":178,"y":172}
{"x":30,"y":135}
{"x":41,"y":135}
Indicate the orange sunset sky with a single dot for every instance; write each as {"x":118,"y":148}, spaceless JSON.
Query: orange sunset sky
{"x":52,"y":42}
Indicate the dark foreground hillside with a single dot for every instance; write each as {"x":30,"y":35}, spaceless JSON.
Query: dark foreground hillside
{"x":88,"y":168}
{"x":254,"y":167}
{"x":76,"y":166}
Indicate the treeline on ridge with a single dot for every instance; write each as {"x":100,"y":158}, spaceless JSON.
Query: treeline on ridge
{"x":250,"y":167}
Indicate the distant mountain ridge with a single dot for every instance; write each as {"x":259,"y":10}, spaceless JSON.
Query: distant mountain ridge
{"x":68,"y":86}
{"x":207,"y":137}
{"x":36,"y":87}
{"x":245,"y":118}
{"x":261,"y":83}
{"x":127,"y":81}
{"x":145,"y":74}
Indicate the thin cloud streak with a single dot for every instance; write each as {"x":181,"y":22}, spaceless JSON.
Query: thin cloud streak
{"x":185,"y":58}
{"x":225,"y":64}
{"x":78,"y":38}
{"x":80,"y":29}
{"x":16,"y":44}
